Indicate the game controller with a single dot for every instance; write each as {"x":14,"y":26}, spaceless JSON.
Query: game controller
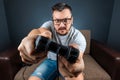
{"x":45,"y":44}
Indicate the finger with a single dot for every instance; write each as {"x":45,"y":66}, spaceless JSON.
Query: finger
{"x":29,"y":45}
{"x":62,"y":69}
{"x":35,"y":57}
{"x":24,"y":54}
{"x":64,"y":61}
{"x":25,"y":58}
{"x":22,"y":51}
{"x":20,"y":47}
{"x":27,"y":61}
{"x":25,"y":49}
{"x":31,"y":58}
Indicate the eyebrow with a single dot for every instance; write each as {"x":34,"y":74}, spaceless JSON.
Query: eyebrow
{"x":63,"y":18}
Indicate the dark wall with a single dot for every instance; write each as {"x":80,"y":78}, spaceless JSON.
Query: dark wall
{"x":4,"y":36}
{"x":114,"y":34}
{"x":24,"y":15}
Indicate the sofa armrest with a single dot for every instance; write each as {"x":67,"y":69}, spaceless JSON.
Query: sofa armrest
{"x":108,"y":58}
{"x":10,"y":63}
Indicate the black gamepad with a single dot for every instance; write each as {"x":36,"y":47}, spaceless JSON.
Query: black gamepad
{"x":45,"y":44}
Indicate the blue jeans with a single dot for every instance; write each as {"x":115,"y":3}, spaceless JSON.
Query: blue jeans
{"x":47,"y":70}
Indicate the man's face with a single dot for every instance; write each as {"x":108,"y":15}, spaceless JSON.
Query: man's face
{"x":62,"y":21}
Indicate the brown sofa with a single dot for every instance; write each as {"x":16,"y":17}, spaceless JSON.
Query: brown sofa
{"x":101,"y":62}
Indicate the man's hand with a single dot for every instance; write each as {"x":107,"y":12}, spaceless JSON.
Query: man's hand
{"x":27,"y":47}
{"x":73,"y":69}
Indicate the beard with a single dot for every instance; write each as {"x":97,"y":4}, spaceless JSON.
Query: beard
{"x":62,"y":31}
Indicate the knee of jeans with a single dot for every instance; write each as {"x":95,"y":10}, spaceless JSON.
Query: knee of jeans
{"x":34,"y":78}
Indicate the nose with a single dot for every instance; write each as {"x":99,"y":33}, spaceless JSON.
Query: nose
{"x":62,"y":24}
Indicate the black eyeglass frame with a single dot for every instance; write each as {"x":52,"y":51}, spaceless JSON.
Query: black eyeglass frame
{"x":65,"y":21}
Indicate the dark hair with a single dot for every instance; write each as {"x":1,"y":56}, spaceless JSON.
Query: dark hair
{"x":61,"y":6}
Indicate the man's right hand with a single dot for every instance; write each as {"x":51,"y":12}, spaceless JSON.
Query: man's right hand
{"x":27,"y":48}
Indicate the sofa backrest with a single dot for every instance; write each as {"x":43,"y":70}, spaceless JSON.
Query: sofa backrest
{"x":87,"y":35}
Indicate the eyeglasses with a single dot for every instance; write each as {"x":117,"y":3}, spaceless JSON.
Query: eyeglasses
{"x":65,"y":21}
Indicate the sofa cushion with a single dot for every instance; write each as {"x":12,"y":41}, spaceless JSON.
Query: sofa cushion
{"x":26,"y":71}
{"x":87,"y":34}
{"x":93,"y":71}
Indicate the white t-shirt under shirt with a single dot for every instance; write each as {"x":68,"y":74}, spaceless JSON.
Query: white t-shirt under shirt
{"x":73,"y":36}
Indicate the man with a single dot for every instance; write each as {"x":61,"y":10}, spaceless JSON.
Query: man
{"x":61,"y":31}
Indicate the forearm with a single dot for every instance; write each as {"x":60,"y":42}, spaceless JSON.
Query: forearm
{"x":34,"y":32}
{"x":40,"y":31}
